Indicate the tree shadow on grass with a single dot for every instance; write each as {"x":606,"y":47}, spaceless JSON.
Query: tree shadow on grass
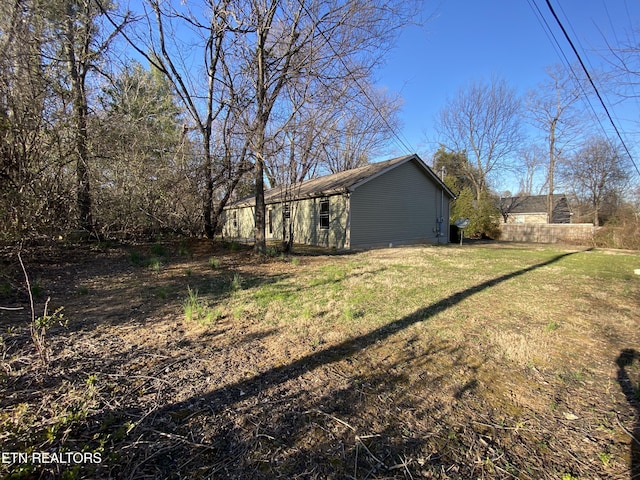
{"x":282,"y":407}
{"x":632,"y":394}
{"x":310,"y":426}
{"x":350,"y":347}
{"x":107,"y":288}
{"x":228,"y":447}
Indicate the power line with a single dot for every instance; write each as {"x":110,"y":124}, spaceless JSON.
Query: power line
{"x":588,"y":60}
{"x":584,"y":68}
{"x":402,"y":142}
{"x":615,"y":34}
{"x":548,"y":32}
{"x":557,"y":46}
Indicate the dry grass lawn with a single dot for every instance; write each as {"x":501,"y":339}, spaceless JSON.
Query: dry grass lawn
{"x":191,"y":360}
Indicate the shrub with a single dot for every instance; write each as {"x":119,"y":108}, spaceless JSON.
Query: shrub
{"x":483,"y":215}
{"x":155,"y":264}
{"x":626,"y":236}
{"x":136,"y":258}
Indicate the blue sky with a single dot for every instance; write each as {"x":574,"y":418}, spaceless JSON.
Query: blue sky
{"x":461,"y":41}
{"x":467,"y":40}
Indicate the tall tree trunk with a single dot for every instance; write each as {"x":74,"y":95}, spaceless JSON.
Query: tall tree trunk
{"x":82,"y":171}
{"x":207,"y":210}
{"x":552,"y":167}
{"x":262,"y":117}
{"x":260,"y":212}
{"x":596,"y":213}
{"x":79,"y":95}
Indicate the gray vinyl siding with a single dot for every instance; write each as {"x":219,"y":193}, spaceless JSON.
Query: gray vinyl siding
{"x":400,"y":207}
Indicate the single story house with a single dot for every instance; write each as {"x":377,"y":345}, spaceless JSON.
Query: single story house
{"x":533,"y":209}
{"x":396,"y":202}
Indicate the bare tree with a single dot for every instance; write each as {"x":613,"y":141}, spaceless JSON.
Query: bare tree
{"x":532,"y":161}
{"x":188,"y":43}
{"x":81,"y":44}
{"x":551,"y":108}
{"x":233,"y":60}
{"x":273,"y":58}
{"x":327,"y":40}
{"x":330,"y":130}
{"x":78,"y":32}
{"x":596,"y":171}
{"x":49,"y":51}
{"x":204,"y":101}
{"x":531,"y":158}
{"x":624,"y":60}
{"x":361,"y":128}
{"x":483,"y":120}
{"x":299,"y":137}
{"x":25,"y":136}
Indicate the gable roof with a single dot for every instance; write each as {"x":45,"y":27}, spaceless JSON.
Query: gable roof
{"x":530,"y":204}
{"x":341,"y":182}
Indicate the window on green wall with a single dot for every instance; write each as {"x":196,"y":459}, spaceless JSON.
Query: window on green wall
{"x":324,"y":214}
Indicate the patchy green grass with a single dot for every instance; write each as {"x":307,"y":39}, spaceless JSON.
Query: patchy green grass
{"x":197,"y":309}
{"x":519,"y":329}
{"x":486,"y":361}
{"x":214,"y":263}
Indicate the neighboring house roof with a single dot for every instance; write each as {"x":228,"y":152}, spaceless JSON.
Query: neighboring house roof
{"x":537,"y":205}
{"x":529,"y":204}
{"x":337,"y":183}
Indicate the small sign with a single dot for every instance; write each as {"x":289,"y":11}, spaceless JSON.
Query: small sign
{"x":462,"y":223}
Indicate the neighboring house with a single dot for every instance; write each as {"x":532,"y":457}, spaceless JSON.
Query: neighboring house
{"x":397,"y":202}
{"x":533,"y":209}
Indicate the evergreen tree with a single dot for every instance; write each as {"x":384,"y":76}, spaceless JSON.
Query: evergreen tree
{"x":483,"y":214}
{"x":146,"y":163}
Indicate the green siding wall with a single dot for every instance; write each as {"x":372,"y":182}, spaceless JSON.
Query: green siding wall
{"x":400,"y":207}
{"x":238,"y":223}
{"x":305,"y":215}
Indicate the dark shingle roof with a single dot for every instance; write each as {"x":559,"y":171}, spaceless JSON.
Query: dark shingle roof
{"x":529,"y":204}
{"x":341,"y":182}
{"x":537,"y":204}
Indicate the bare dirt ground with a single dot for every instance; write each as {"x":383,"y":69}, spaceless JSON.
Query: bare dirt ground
{"x":158,"y":396}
